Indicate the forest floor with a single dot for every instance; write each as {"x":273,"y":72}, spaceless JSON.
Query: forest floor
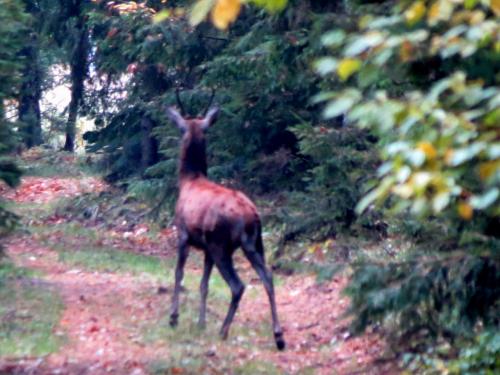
{"x":79,"y":296}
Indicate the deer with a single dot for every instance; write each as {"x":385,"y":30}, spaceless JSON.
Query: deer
{"x":216,"y":220}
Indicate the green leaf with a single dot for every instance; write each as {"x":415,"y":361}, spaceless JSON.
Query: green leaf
{"x":440,"y":201}
{"x":161,"y":16}
{"x":326,"y":65}
{"x":271,"y":6}
{"x":482,"y":202}
{"x":416,"y":157}
{"x":367,"y":200}
{"x":323,"y":96}
{"x":338,"y":107}
{"x":342,"y":104}
{"x":363,"y":43}
{"x":368,"y":75}
{"x":333,"y":38}
{"x":200,"y":11}
{"x":493,"y":151}
{"x":465,"y":154}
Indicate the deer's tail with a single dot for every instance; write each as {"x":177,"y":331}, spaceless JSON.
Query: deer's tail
{"x":259,"y":245}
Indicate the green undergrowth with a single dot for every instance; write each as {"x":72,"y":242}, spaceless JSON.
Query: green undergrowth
{"x":29,"y":313}
{"x":30,"y":213}
{"x":78,"y":246}
{"x":49,"y":163}
{"x":112,"y":208}
{"x":336,"y":255}
{"x":112,"y":260}
{"x":202,"y":365}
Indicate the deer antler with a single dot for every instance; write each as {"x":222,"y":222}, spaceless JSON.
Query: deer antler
{"x":209,"y":102}
{"x":179,"y":103}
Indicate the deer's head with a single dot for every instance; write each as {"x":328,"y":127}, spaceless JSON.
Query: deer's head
{"x":193,"y":160}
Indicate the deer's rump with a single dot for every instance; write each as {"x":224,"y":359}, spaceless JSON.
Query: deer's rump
{"x":211,"y":213}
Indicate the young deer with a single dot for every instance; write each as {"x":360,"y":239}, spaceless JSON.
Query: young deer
{"x":216,"y":220}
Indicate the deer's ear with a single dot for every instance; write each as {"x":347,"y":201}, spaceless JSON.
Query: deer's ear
{"x":210,"y":118}
{"x":176,"y":118}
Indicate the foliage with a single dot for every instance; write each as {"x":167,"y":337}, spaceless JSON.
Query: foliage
{"x":12,"y":21}
{"x":339,"y":159}
{"x":434,"y":297}
{"x":482,"y":356}
{"x":443,"y":152}
{"x":478,"y":356}
{"x":12,"y":28}
{"x":225,"y":12}
{"x":423,"y":79}
{"x":260,"y":74}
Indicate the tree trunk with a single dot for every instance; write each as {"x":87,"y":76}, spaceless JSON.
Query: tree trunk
{"x":78,"y":73}
{"x":149,"y":146}
{"x":30,"y":95}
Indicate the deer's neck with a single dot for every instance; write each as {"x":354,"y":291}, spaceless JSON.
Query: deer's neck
{"x":193,"y":161}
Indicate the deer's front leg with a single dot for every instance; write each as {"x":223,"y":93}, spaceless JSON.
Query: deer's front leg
{"x":183,"y":253}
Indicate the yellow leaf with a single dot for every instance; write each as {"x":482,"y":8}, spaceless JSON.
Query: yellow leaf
{"x":313,"y":248}
{"x":448,"y":156}
{"x":348,"y":67}
{"x":476,"y":17}
{"x":428,"y":149}
{"x":415,"y":13}
{"x":465,"y":210}
{"x":440,"y":10}
{"x":434,"y":13}
{"x":495,"y":7}
{"x":488,"y":169}
{"x":161,"y":16}
{"x":225,"y":12}
{"x":406,"y":51}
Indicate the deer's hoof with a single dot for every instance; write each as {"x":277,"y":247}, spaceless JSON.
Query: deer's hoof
{"x":280,"y":341}
{"x":224,"y":334}
{"x":173,"y":320}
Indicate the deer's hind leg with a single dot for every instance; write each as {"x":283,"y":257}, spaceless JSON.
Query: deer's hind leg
{"x":254,"y":251}
{"x":224,"y":262}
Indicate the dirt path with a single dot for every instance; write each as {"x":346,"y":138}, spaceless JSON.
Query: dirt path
{"x":106,"y":312}
{"x":100,"y":309}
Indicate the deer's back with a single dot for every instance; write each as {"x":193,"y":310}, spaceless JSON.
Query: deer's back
{"x":205,"y":208}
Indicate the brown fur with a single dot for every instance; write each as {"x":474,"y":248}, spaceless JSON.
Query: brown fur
{"x":204,"y":206}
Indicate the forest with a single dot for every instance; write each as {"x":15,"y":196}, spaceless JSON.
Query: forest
{"x":366,"y":132}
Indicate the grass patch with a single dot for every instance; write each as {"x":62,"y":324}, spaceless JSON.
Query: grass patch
{"x":29,"y":312}
{"x":257,"y":367}
{"x":202,"y":365}
{"x":8,"y":272}
{"x":70,"y":231}
{"x":78,"y":247}
{"x":110,"y":260}
{"x":29,"y":210}
{"x":57,"y":164}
